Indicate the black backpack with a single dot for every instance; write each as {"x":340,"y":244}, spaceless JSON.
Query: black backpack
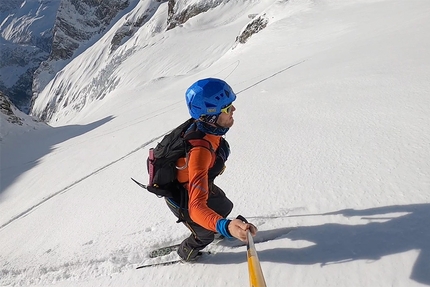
{"x":161,"y":162}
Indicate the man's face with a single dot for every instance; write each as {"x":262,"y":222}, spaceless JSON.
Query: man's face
{"x":225,"y":119}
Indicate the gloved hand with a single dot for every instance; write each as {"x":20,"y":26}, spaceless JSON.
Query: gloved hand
{"x":237,"y":228}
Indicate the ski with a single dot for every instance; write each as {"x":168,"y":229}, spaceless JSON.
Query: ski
{"x":165,"y":263}
{"x":219,"y":240}
{"x":201,"y":256}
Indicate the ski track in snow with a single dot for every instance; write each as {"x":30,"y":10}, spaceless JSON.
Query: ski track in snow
{"x":128,"y":259}
{"x":74,"y":270}
{"x":67,"y":188}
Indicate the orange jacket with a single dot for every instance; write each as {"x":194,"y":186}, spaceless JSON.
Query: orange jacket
{"x":196,"y":181}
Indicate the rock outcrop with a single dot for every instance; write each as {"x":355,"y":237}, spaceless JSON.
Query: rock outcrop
{"x":255,"y":26}
{"x":8,"y":110}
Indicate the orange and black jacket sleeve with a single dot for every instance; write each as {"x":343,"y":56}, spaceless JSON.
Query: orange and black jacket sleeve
{"x":199,"y":162}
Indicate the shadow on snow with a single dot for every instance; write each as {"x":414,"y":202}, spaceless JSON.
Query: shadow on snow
{"x":18,"y":159}
{"x":337,"y":243}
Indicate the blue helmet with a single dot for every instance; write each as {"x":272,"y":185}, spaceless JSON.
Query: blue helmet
{"x":208,"y":97}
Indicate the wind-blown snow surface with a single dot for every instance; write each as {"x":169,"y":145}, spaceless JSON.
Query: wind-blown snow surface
{"x":331,"y":136}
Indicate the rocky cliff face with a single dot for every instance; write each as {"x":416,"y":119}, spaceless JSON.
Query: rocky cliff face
{"x":77,"y":22}
{"x":180,"y":12}
{"x":132,"y":25}
{"x":38,"y":38}
{"x":25,"y":39}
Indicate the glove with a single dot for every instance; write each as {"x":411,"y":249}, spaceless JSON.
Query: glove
{"x":238,"y":228}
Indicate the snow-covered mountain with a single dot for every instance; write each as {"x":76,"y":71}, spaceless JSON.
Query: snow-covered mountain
{"x":145,"y":31}
{"x":39,"y":38}
{"x":25,"y":41}
{"x":330,"y":147}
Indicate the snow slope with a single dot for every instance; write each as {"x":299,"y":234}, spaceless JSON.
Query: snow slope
{"x":331,"y":136}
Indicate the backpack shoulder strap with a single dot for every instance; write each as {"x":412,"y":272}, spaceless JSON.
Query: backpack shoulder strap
{"x":195,"y":138}
{"x":201,"y":143}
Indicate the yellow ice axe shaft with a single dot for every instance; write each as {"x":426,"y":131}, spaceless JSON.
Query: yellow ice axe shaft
{"x":256,"y":278}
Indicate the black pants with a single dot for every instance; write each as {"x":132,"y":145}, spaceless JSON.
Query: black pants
{"x":201,"y":237}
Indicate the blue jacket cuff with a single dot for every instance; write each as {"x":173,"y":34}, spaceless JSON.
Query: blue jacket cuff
{"x":222,"y":227}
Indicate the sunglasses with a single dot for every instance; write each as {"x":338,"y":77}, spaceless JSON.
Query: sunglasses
{"x":227,"y":109}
